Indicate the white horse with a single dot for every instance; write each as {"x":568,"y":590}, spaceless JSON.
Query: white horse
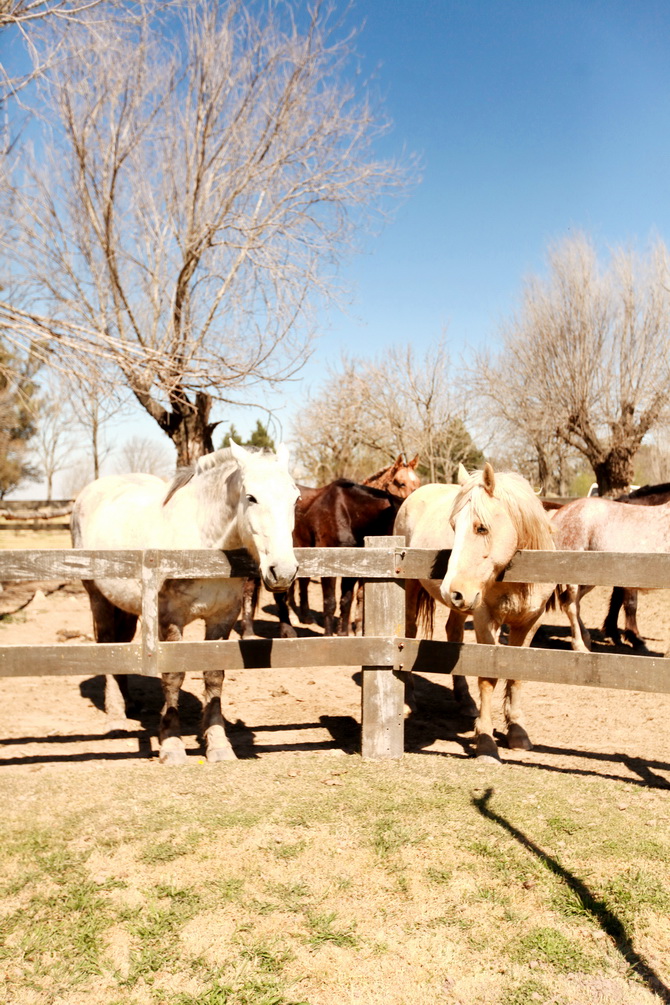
{"x":484,"y":520}
{"x":234,"y":498}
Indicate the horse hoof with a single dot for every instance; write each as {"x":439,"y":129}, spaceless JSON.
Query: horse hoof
{"x":517,"y":738}
{"x":488,"y":759}
{"x":218,"y":754}
{"x":120,"y":726}
{"x":486,"y":750}
{"x":172,"y":757}
{"x":287,"y":632}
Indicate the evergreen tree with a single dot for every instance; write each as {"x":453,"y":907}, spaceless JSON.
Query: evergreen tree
{"x":259,"y":438}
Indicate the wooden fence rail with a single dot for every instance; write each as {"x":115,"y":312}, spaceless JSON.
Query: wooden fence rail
{"x":382,"y":651}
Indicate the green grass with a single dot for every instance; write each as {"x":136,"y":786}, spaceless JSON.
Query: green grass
{"x":246,"y":885}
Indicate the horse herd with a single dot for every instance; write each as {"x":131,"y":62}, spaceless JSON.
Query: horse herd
{"x":241,"y":498}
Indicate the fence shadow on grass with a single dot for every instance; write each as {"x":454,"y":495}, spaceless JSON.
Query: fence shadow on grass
{"x":597,"y":909}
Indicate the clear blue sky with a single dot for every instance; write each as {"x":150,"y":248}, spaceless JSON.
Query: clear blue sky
{"x":532,"y":118}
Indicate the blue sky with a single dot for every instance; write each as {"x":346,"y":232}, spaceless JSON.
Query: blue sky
{"x":532,"y":118}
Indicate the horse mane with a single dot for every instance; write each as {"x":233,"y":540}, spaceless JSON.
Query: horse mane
{"x":369,"y":490}
{"x":205,"y":464}
{"x":382,"y":471}
{"x":533,"y":529}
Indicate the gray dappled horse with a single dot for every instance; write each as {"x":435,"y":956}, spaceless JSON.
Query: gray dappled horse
{"x":233,"y":498}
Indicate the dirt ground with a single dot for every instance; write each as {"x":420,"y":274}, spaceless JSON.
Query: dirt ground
{"x":579,"y":730}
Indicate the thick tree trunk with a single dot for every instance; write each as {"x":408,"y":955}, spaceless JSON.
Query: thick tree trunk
{"x":190,"y":430}
{"x":615,"y":472}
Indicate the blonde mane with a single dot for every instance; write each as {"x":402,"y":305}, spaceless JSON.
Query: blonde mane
{"x":532,"y":525}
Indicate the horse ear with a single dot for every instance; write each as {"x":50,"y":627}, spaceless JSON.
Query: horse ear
{"x":462,"y":475}
{"x":282,"y":455}
{"x":238,"y":452}
{"x":489,"y":478}
{"x":413,"y":464}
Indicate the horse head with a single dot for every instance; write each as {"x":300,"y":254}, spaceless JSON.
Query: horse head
{"x":493,"y":517}
{"x":266,"y":513}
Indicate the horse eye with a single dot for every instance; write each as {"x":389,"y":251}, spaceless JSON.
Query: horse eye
{"x":251,"y":499}
{"x":481,"y":529}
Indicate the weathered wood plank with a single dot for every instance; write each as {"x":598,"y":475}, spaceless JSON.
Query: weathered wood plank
{"x":70,"y":563}
{"x":382,"y":693}
{"x":379,"y":562}
{"x":152,"y":580}
{"x":556,"y":666}
{"x":87,"y":659}
{"x":585,"y":567}
{"x":240,"y":654}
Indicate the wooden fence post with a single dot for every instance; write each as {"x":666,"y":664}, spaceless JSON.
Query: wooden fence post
{"x":383,"y":692}
{"x":152,"y":580}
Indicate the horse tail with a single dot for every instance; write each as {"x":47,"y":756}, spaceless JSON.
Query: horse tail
{"x":425,"y":611}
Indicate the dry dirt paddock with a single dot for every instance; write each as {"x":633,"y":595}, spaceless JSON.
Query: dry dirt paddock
{"x":580,"y":730}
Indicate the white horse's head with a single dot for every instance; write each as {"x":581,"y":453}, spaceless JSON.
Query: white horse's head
{"x":493,"y":517}
{"x":266,"y":513}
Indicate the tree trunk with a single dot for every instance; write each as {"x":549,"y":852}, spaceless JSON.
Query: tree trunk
{"x":615,"y":472}
{"x":190,"y":430}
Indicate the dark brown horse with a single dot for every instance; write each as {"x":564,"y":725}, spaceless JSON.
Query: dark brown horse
{"x":339,"y":515}
{"x":648,"y":495}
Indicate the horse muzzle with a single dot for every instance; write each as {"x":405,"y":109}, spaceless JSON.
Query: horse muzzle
{"x":278,"y":577}
{"x":461,"y":599}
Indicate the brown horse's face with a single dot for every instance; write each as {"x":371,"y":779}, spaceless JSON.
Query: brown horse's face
{"x":403,"y":479}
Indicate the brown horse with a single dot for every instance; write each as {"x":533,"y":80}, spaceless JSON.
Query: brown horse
{"x":340,"y":514}
{"x":648,"y":495}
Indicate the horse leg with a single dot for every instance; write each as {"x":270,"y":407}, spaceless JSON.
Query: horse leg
{"x":466,"y":703}
{"x":250,"y":593}
{"x":412,"y":591}
{"x":305,"y":613}
{"x":632,"y":632}
{"x":346,"y":599}
{"x":171,"y":745}
{"x":213,"y":726}
{"x":360,"y":600}
{"x":486,"y":749}
{"x":111,"y":624}
{"x":517,"y":737}
{"x":286,"y":629}
{"x":611,"y":622}
{"x":569,"y":599}
{"x":328,"y":587}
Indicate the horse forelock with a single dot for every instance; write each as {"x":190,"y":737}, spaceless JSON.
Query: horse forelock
{"x":526,"y":512}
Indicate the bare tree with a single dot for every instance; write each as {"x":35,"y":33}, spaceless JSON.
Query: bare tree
{"x":52,"y":444}
{"x":586,"y":358}
{"x":370,"y":410}
{"x":147,"y":455}
{"x":199,"y":194}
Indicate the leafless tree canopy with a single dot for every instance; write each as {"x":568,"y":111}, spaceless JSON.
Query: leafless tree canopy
{"x":200,"y":175}
{"x":586,"y":359}
{"x":370,"y":410}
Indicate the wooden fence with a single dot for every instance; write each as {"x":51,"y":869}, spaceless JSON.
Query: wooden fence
{"x":382,"y":651}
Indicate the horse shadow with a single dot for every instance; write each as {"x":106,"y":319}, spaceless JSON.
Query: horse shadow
{"x":146,"y":701}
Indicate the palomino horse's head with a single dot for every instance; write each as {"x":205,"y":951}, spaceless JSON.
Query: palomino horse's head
{"x":493,"y":516}
{"x":266,"y":513}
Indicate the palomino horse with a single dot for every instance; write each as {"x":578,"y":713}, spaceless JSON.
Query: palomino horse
{"x":339,"y":514}
{"x":484,"y":520}
{"x":648,"y":495}
{"x":233,"y":498}
{"x":595,"y":524}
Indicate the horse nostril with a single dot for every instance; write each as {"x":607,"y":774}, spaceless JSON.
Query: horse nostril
{"x":272,"y":573}
{"x":456,"y":598}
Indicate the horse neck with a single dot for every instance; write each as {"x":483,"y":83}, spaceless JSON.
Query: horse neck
{"x":216,"y":495}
